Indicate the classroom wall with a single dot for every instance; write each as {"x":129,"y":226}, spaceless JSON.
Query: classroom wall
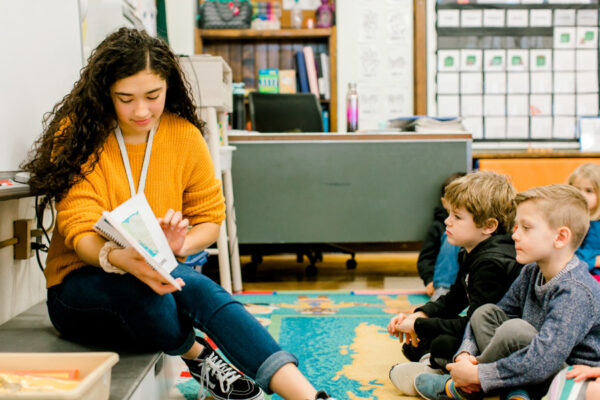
{"x":22,"y":283}
{"x":375,"y":50}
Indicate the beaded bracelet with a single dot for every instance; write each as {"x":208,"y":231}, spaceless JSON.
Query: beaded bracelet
{"x":103,"y":258}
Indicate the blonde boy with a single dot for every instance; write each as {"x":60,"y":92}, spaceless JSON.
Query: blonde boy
{"x":550,"y":315}
{"x":481,"y":213}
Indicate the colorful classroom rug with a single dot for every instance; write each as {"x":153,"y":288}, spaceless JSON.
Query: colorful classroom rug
{"x":340,"y":338}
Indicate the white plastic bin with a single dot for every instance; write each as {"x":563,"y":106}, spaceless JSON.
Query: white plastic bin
{"x":94,"y":372}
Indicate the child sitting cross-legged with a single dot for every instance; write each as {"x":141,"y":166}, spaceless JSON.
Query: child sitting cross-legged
{"x":549,"y":317}
{"x":577,"y":382}
{"x":586,"y":178}
{"x":481,"y":213}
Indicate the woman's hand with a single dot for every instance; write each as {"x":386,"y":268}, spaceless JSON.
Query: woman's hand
{"x":582,"y":372}
{"x":175,"y":228}
{"x":129,"y":260}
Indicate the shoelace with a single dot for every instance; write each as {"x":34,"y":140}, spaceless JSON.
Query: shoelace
{"x":226,"y":375}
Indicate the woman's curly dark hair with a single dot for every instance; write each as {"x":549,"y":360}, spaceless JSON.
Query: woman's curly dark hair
{"x":77,"y":127}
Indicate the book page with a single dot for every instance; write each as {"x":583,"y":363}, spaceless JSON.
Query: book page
{"x":137,"y":219}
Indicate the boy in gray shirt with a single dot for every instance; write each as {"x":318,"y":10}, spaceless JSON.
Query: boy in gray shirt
{"x":550,"y":315}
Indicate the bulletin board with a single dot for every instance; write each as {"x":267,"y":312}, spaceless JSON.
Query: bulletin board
{"x":41,"y":59}
{"x":517,"y":70}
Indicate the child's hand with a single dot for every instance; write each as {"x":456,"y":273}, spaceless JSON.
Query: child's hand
{"x":175,"y":228}
{"x":429,"y":289}
{"x":406,"y":328}
{"x":393,"y":322}
{"x":465,"y":375}
{"x":466,"y":356}
{"x":582,"y":372}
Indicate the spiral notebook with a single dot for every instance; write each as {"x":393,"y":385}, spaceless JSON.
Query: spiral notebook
{"x":133,"y":224}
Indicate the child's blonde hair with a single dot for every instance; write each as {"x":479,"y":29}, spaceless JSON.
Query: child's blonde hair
{"x":485,"y":195}
{"x":560,"y":205}
{"x":591,"y":172}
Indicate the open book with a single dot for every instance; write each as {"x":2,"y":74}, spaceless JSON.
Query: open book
{"x":133,"y":224}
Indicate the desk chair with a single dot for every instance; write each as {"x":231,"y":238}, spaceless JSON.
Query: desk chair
{"x":285,"y":112}
{"x":290,"y":112}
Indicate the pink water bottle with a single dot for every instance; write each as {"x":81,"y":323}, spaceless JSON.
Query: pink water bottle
{"x":352,"y":108}
{"x":325,"y":15}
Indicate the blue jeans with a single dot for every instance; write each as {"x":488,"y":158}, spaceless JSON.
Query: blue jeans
{"x":93,"y":306}
{"x":446,"y":264}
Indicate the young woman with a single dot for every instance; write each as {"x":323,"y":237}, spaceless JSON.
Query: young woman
{"x":129,"y":126}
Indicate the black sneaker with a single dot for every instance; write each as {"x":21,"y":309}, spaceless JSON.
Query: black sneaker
{"x":221,"y":380}
{"x":322,"y":395}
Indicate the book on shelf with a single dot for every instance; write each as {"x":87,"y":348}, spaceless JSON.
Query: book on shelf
{"x":248,"y":76}
{"x":286,"y":56}
{"x":302,"y":75}
{"x":311,"y":70}
{"x":268,"y":80}
{"x":287,"y":81}
{"x":133,"y":224}
{"x":320,"y":79}
{"x":326,"y":75}
{"x":273,"y":56}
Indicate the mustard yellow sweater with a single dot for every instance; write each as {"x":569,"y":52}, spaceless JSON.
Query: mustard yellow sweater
{"x":180,"y":176}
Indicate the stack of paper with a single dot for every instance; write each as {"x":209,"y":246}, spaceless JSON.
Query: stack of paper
{"x":429,"y":124}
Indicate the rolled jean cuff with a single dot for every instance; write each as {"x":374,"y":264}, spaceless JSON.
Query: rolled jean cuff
{"x":272,"y":365}
{"x":185,"y":347}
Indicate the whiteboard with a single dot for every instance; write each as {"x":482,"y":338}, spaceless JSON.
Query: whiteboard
{"x":40,"y":60}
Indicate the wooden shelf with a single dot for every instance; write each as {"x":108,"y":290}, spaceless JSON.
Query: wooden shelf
{"x":322,"y":101}
{"x":267,"y":34}
{"x":249,"y":50}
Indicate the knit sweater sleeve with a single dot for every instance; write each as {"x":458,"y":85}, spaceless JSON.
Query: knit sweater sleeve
{"x":566,"y":324}
{"x":202,"y":198}
{"x":81,"y":207}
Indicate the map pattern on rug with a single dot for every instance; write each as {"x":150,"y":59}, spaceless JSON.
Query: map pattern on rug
{"x":340,"y":338}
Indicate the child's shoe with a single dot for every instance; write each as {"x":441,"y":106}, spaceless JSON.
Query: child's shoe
{"x":518,"y":394}
{"x":433,"y":387}
{"x":413,"y":353}
{"x":219,"y":378}
{"x":403,"y":376}
{"x":322,"y":395}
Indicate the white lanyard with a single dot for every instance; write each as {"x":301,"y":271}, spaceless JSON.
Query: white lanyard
{"x":144,"y":173}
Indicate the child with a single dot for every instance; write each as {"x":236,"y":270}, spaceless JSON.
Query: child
{"x":438,"y":260}
{"x":481,"y":212}
{"x":129,"y":116}
{"x":586,"y":178}
{"x":550,"y":315}
{"x":584,"y":384}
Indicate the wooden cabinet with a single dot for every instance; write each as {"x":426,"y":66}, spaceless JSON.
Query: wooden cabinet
{"x":530,"y":169}
{"x":248,"y":50}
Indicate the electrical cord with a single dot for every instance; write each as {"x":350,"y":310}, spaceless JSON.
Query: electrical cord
{"x":39,"y":215}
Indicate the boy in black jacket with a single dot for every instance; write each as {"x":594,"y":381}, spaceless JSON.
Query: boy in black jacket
{"x":438,"y":260}
{"x":481,"y":218}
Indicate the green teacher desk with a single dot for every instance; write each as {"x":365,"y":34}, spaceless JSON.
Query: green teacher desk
{"x":305,"y":188}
